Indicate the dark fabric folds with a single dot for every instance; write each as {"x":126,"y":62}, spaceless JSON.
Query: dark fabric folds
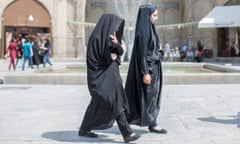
{"x":144,"y":100}
{"x":108,"y":98}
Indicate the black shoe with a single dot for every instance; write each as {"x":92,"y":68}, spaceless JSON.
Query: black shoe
{"x":131,"y":137}
{"x":157,"y":130}
{"x":87,"y":134}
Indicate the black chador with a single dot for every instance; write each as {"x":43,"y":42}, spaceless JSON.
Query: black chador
{"x":144,"y":100}
{"x":108,"y":98}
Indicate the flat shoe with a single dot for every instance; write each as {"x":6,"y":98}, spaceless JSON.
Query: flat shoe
{"x":158,"y":130}
{"x":87,"y":134}
{"x":131,"y":137}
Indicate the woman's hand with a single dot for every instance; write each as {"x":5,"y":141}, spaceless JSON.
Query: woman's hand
{"x":113,"y":56}
{"x":147,"y":79}
{"x":114,"y":38}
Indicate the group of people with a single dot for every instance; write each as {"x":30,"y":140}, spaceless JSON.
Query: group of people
{"x":29,"y":48}
{"x":139,"y":102}
{"x":184,"y":53}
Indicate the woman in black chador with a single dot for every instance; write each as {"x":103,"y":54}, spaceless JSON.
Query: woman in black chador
{"x":108,"y":98}
{"x":144,"y":80}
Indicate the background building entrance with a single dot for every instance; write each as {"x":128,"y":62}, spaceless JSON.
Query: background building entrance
{"x":24,"y":17}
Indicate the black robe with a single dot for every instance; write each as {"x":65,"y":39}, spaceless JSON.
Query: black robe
{"x":104,"y":81}
{"x":144,"y":100}
{"x":36,"y":58}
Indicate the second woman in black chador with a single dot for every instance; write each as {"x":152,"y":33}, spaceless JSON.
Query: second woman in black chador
{"x":144,"y":80}
{"x":108,"y":98}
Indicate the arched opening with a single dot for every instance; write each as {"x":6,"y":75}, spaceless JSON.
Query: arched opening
{"x":24,"y":17}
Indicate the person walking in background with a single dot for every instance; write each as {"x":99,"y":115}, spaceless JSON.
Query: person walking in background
{"x":199,"y":51}
{"x":19,"y":50}
{"x":232,"y":48}
{"x":167,"y":51}
{"x":46,"y":47}
{"x":35,"y":47}
{"x":108,"y":98}
{"x":27,"y":54}
{"x":144,"y":79}
{"x":183,"y":52}
{"x":12,"y":50}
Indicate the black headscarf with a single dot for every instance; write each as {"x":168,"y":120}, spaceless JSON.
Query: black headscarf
{"x":145,"y":33}
{"x":99,"y":42}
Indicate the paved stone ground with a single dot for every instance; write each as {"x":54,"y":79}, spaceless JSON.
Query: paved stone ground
{"x":51,"y":114}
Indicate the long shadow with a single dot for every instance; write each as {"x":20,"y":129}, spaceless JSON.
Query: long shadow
{"x":72,"y":136}
{"x":233,"y":120}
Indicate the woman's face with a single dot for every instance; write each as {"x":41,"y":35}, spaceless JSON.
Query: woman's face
{"x":154,"y":17}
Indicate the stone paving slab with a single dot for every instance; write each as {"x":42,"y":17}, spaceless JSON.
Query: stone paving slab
{"x":51,"y":114}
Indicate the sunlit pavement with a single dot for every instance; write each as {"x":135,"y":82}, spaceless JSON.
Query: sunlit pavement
{"x":52,"y":114}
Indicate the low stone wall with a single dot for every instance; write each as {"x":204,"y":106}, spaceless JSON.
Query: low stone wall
{"x":211,"y":78}
{"x":222,"y":68}
{"x":46,"y":79}
{"x":81,"y":78}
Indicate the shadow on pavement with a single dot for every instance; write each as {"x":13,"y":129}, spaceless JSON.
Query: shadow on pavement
{"x":72,"y":136}
{"x":235,"y":119}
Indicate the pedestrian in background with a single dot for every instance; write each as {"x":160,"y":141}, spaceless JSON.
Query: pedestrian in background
{"x":46,"y":47}
{"x":199,"y":51}
{"x":35,"y":48}
{"x":19,"y":49}
{"x":12,"y":50}
{"x":167,"y":51}
{"x":27,"y":54}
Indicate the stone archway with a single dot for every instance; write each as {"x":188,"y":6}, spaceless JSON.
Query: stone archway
{"x":24,"y":16}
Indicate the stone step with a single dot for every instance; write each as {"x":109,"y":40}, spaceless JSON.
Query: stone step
{"x":224,"y":75}
{"x":211,"y":78}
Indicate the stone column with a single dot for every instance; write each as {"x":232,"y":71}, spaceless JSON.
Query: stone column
{"x":214,"y":37}
{"x":190,"y":4}
{"x":54,"y":26}
{"x":59,"y":28}
{"x":80,"y":33}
